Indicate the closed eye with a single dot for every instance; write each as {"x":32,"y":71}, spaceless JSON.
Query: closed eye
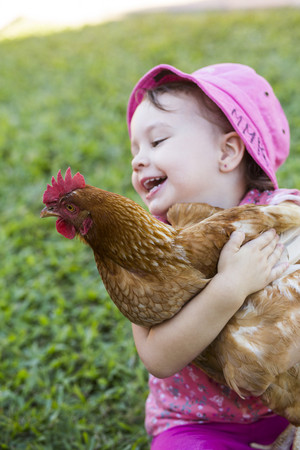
{"x":157,"y":142}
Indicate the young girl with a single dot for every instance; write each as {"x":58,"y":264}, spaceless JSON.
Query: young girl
{"x":215,"y":136}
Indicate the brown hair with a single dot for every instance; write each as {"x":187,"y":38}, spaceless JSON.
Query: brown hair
{"x":255,"y":177}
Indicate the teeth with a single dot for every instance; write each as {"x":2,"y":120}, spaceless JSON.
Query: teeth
{"x":153,"y":182}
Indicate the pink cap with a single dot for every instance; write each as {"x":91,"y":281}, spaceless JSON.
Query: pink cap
{"x":246,"y":99}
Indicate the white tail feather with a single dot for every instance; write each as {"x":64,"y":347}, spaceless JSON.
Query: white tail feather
{"x":291,"y":240}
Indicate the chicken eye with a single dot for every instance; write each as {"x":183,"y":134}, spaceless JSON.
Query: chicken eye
{"x":70,"y":208}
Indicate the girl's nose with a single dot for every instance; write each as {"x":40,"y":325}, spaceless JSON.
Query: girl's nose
{"x":140,"y":160}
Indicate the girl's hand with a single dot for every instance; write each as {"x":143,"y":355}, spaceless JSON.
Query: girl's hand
{"x":252,"y":266}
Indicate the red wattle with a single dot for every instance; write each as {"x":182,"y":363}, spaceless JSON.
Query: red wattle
{"x":65,"y":228}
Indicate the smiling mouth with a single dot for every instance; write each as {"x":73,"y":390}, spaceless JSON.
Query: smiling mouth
{"x":153,"y":183}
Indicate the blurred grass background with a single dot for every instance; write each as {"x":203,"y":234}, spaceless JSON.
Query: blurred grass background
{"x":69,"y":374}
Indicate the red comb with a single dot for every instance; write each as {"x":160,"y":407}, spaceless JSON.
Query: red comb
{"x":63,"y":186}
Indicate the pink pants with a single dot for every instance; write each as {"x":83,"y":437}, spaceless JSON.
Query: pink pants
{"x":220,"y":436}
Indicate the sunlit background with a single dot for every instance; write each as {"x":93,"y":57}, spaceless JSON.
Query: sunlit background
{"x":70,"y":13}
{"x":74,"y":12}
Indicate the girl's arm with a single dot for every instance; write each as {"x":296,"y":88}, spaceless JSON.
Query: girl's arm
{"x":242,"y":269}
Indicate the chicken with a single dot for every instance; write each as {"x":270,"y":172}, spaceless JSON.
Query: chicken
{"x":151,"y":269}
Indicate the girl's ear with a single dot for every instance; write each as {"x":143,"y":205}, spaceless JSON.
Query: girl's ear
{"x":231,"y":152}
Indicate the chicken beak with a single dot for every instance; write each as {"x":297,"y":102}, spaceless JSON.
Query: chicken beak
{"x":48,"y":211}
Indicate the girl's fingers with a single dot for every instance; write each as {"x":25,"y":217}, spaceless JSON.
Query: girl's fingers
{"x":275,"y":255}
{"x":267,"y":239}
{"x":234,"y":244}
{"x":266,"y":243}
{"x":278,"y":270}
{"x":236,"y":239}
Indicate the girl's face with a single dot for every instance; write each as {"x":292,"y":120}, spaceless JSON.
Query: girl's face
{"x":175,"y":154}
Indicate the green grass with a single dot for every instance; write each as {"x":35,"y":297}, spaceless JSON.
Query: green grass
{"x":69,"y":374}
